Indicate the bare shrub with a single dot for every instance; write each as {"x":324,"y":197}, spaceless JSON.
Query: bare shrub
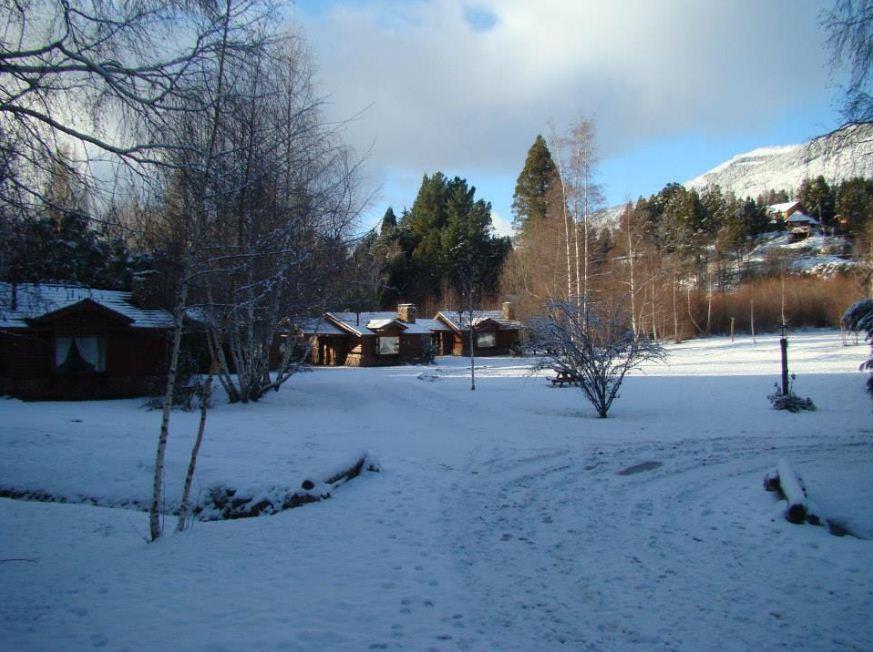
{"x":596,"y":346}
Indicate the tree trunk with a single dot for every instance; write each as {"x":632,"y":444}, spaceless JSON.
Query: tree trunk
{"x":633,"y":288}
{"x":198,"y":228}
{"x":675,"y":307}
{"x":184,"y":505}
{"x":169,"y":390}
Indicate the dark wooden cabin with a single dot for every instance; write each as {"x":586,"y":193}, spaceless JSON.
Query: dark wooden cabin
{"x":77,"y":343}
{"x":495,"y":332}
{"x":368,"y":339}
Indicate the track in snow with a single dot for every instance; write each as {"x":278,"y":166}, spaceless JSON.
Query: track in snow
{"x":563,"y":550}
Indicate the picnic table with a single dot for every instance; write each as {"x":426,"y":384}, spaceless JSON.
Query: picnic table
{"x":563,"y":377}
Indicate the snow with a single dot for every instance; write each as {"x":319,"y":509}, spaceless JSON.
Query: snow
{"x":837,"y":157}
{"x":783,"y":207}
{"x":362,"y":322}
{"x":508,"y":518}
{"x":37,"y":300}
{"x":814,"y":254}
{"x":460,"y":320}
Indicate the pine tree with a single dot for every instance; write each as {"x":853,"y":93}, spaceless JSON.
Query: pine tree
{"x":530,"y":200}
{"x":389,"y":223}
{"x":855,"y":204}
{"x":818,"y":199}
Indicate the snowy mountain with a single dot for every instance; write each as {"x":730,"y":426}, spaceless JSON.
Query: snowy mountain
{"x":838,"y":156}
{"x":842,"y":155}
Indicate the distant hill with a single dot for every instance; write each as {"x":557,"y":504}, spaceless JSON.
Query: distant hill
{"x":839,"y":156}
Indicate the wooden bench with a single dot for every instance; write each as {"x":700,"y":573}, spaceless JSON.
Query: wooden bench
{"x":564,"y":377}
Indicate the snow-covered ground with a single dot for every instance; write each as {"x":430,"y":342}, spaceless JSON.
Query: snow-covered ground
{"x":508,"y":518}
{"x":819,"y":255}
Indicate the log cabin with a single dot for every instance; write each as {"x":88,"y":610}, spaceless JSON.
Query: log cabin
{"x":495,"y":332}
{"x":367,"y":339}
{"x":77,"y":343}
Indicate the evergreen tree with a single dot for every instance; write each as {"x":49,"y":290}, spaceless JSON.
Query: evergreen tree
{"x":531,"y":198}
{"x":855,"y":204}
{"x":447,"y":230}
{"x":818,"y":199}
{"x":389,"y":223}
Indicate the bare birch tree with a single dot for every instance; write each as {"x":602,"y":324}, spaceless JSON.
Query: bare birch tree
{"x":576,"y":159}
{"x":191,"y":180}
{"x":96,"y":79}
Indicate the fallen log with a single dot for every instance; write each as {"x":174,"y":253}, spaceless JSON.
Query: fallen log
{"x":792,"y":490}
{"x":225,"y":503}
{"x":336,"y":477}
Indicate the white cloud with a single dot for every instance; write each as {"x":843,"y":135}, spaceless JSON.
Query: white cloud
{"x":439,"y":88}
{"x":458,"y":86}
{"x":501,"y":225}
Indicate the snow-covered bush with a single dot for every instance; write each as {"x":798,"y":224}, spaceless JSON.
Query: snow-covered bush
{"x":790,"y":401}
{"x":859,"y":317}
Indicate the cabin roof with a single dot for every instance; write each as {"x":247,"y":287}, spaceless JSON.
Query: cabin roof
{"x":781,"y":208}
{"x":38,"y":300}
{"x":803,"y":218}
{"x":364,"y":323}
{"x":318,"y":326}
{"x":461,"y":321}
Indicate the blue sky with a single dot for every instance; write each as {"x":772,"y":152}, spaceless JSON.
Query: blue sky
{"x":464,"y":86}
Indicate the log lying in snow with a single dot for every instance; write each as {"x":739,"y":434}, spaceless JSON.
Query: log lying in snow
{"x":785,"y":481}
{"x":225,"y":503}
{"x":343,"y":474}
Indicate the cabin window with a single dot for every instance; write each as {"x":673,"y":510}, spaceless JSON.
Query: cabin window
{"x":76,"y":355}
{"x":389,"y":345}
{"x":486,"y":340}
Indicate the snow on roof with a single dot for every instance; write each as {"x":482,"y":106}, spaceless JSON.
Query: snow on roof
{"x":362,"y":322}
{"x":460,"y":321}
{"x":803,"y":218}
{"x":432,"y":325}
{"x":376,"y":324}
{"x":36,"y":300}
{"x":318,"y":326}
{"x":781,"y":208}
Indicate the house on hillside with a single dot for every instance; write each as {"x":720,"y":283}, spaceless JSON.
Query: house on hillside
{"x":495,"y":332}
{"x":779,"y":213}
{"x":366,"y":339}
{"x":71,"y":342}
{"x":801,"y":225}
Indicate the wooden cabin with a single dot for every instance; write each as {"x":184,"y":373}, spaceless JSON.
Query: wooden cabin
{"x":801,"y":225}
{"x":77,"y":343}
{"x":368,"y":339}
{"x":495,"y":332}
{"x":780,"y":213}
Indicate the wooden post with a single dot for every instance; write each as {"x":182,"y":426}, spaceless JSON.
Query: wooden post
{"x":732,"y":329}
{"x":783,"y":344}
{"x":753,"y":321}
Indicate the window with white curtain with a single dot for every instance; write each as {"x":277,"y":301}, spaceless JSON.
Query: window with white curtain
{"x":389,"y":345}
{"x":80,"y":354}
{"x":486,"y":340}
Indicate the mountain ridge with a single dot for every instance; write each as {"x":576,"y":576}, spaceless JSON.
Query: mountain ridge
{"x":840,"y":155}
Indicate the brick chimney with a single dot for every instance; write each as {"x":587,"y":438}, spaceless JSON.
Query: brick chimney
{"x":407,"y":312}
{"x":508,"y":310}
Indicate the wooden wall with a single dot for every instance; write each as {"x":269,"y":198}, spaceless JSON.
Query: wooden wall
{"x":136,"y":359}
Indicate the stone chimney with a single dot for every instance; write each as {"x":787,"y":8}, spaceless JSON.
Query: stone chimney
{"x":508,"y":310}
{"x":407,"y":312}
{"x":146,"y":290}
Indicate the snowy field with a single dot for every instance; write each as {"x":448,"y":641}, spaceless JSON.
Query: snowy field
{"x":508,"y":518}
